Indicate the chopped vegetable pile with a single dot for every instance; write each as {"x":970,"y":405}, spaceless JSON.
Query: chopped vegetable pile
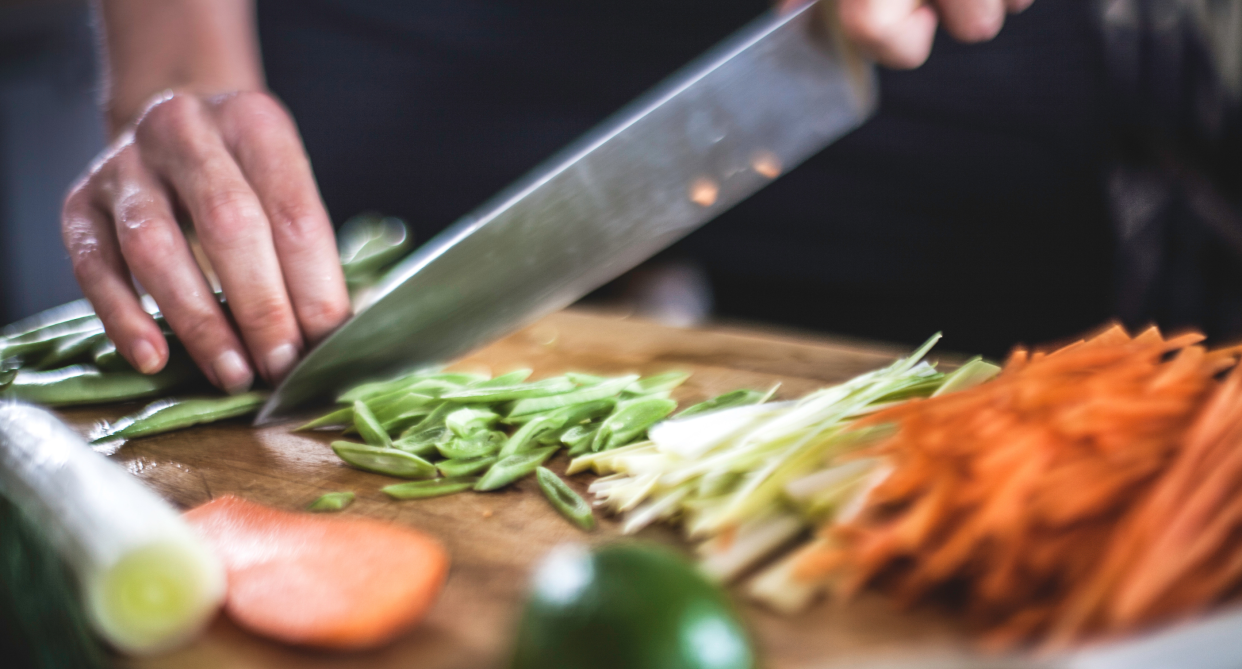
{"x":451,"y":432}
{"x":1087,"y":491}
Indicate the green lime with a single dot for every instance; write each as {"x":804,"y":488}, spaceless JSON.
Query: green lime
{"x":628,"y":606}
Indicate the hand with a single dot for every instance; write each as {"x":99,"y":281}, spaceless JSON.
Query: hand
{"x":235,"y":167}
{"x":899,"y":33}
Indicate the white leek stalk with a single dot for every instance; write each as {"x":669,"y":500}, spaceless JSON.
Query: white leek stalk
{"x":147,"y":582}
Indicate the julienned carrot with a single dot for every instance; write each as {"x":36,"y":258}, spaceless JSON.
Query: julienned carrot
{"x":1029,"y":497}
{"x":342,"y":582}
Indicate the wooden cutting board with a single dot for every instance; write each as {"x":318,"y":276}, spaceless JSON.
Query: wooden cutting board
{"x":496,"y":538}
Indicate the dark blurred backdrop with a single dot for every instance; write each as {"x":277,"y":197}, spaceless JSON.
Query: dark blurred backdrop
{"x":1081,"y":166}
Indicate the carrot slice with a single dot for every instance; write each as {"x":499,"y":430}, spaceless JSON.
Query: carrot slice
{"x":341,"y":582}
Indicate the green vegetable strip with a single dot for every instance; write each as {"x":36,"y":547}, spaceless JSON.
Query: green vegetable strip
{"x":84,"y":384}
{"x":736,"y":398}
{"x":475,"y":445}
{"x":388,"y":461}
{"x":567,"y":502}
{"x":489,"y":394}
{"x":599,"y":391}
{"x":333,"y":501}
{"x":660,"y":384}
{"x":432,"y":488}
{"x":368,"y":426}
{"x":470,"y":419}
{"x":510,"y":469}
{"x":630,"y":420}
{"x":173,"y":414}
{"x":466,"y":466}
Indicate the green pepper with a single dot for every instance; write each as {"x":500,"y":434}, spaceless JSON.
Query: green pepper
{"x":332,"y":501}
{"x":85,"y":384}
{"x":173,"y":414}
{"x":490,"y":394}
{"x":368,"y":427}
{"x":728,"y":400}
{"x":510,"y":469}
{"x":466,"y":466}
{"x":474,"y":445}
{"x":631,"y":419}
{"x":470,"y":419}
{"x":388,"y":461}
{"x":599,"y":391}
{"x":432,"y":488}
{"x":566,"y":502}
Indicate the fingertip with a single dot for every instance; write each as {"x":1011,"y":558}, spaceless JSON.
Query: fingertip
{"x":279,"y":361}
{"x":232,"y":372}
{"x":145,"y":357}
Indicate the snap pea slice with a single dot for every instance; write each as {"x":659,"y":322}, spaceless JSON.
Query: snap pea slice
{"x":366,"y":391}
{"x":728,"y":400}
{"x":660,"y":384}
{"x":474,"y":445}
{"x":368,"y":427}
{"x":470,"y":419}
{"x":433,"y":419}
{"x":332,"y":501}
{"x":85,"y":384}
{"x":528,"y":432}
{"x":514,"y":467}
{"x":432,"y":488}
{"x":520,"y":391}
{"x":562,"y":498}
{"x":36,"y":344}
{"x":585,"y":379}
{"x":404,"y":421}
{"x":508,"y":379}
{"x":423,"y":443}
{"x":574,"y":416}
{"x":599,"y":391}
{"x":76,"y":311}
{"x":399,"y":405}
{"x":466,"y":466}
{"x":631,"y":419}
{"x":388,"y":461}
{"x":338,"y":418}
{"x":174,"y":414}
{"x":369,"y":243}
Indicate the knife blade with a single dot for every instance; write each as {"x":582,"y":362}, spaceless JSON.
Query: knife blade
{"x":752,"y":108}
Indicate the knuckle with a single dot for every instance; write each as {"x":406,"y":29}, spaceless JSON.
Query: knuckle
{"x":147,"y":241}
{"x":863,"y":23}
{"x":297,"y":220}
{"x":229,"y":214}
{"x":196,"y":325}
{"x":319,"y":316}
{"x":170,"y":118}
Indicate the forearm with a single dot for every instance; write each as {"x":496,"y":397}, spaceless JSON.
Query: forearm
{"x":204,"y":46}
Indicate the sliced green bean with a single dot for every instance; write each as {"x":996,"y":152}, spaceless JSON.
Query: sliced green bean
{"x":397,"y":406}
{"x":338,"y":418}
{"x":470,"y":419}
{"x":473,"y":445}
{"x":8,"y":370}
{"x":517,"y":466}
{"x":432,"y":488}
{"x":388,"y":461}
{"x":630,"y":420}
{"x":527,"y":433}
{"x":520,"y":391}
{"x":433,"y":419}
{"x":729,"y":400}
{"x":566,"y":502}
{"x":332,"y":501}
{"x":173,"y":414}
{"x":402,"y":422}
{"x":599,"y":391}
{"x":368,"y":427}
{"x":85,"y":384}
{"x":507,"y":379}
{"x":75,"y":311}
{"x":585,"y":379}
{"x":579,"y":438}
{"x":423,"y":443}
{"x":35,"y":345}
{"x":369,"y":243}
{"x":366,"y":391}
{"x":660,"y":384}
{"x":466,"y":466}
{"x":574,"y":416}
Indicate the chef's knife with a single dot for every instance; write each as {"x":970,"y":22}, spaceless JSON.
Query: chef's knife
{"x":752,"y":108}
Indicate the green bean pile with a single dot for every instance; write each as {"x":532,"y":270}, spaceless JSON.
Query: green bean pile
{"x":451,"y":431}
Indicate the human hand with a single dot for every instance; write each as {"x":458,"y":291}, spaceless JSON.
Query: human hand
{"x":234,"y":166}
{"x":899,"y":33}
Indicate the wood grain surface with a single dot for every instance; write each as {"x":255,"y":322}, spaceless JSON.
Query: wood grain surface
{"x":496,"y":538}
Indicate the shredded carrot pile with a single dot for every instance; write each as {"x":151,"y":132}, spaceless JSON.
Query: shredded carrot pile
{"x":1091,"y":490}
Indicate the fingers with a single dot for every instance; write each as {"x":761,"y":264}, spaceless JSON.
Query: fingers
{"x":104,"y":276}
{"x":972,"y":20}
{"x":179,"y":141}
{"x":160,"y":258}
{"x":899,"y":33}
{"x":896,"y":33}
{"x":265,"y":142}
